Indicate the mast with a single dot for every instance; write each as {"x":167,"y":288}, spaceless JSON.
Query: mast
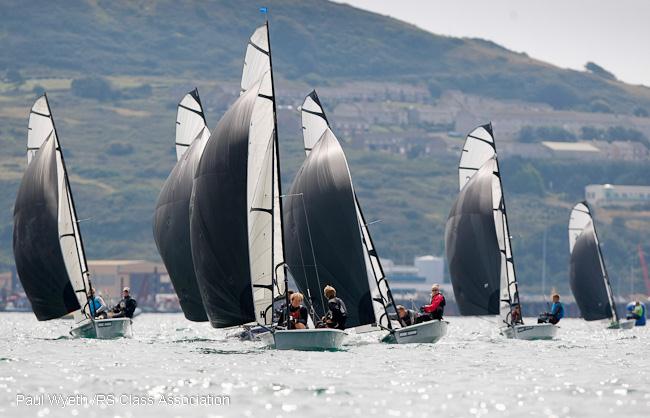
{"x":514,"y":300}
{"x":81,"y":253}
{"x":276,"y":166}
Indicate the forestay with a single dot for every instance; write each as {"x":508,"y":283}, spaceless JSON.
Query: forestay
{"x":588,"y":276}
{"x":314,"y":125}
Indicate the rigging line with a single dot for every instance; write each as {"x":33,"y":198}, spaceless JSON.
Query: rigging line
{"x":313,"y":254}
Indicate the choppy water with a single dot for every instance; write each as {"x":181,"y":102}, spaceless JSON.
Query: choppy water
{"x":588,"y":371}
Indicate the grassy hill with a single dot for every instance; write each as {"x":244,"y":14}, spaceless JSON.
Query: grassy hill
{"x":119,"y":146}
{"x":313,"y":40}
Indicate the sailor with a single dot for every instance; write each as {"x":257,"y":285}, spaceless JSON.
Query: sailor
{"x":96,"y":304}
{"x":126,"y":307}
{"x":405,"y":316}
{"x":515,"y":314}
{"x":557,"y":312}
{"x":435,"y":309}
{"x":298,"y":314}
{"x":637,"y":311}
{"x":337,"y":313}
{"x":281,"y":311}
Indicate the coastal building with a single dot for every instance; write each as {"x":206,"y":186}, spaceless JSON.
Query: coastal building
{"x":613,"y":195}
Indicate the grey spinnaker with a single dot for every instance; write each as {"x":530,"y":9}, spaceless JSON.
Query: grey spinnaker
{"x":587,"y":274}
{"x":218,"y":219}
{"x":472,"y":248}
{"x":320,"y":210}
{"x":39,"y":259}
{"x":171,"y":224}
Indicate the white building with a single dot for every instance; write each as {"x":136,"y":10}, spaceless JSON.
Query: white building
{"x":609,"y":194}
{"x":425,"y":271}
{"x":430,"y":267}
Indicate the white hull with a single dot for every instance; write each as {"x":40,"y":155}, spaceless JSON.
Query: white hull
{"x":429,"y":332}
{"x":103,"y":328}
{"x":622,"y":324}
{"x":319,"y":339}
{"x":531,"y":332}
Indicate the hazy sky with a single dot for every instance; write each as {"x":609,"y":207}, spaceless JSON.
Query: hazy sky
{"x":612,"y":33}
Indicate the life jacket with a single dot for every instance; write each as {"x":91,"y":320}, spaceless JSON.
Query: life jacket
{"x":295,"y":314}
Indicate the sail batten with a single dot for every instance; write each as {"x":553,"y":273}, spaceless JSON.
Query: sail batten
{"x":190,"y":123}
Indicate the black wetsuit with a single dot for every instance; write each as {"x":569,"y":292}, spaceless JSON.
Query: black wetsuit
{"x":337,"y":314}
{"x":125,"y":308}
{"x":298,"y":315}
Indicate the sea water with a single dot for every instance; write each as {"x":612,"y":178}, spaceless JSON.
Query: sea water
{"x":172,"y":367}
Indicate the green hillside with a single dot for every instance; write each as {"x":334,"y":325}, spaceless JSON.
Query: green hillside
{"x":313,"y":40}
{"x":118,"y":137}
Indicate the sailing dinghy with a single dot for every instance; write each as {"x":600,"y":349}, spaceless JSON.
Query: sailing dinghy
{"x":171,"y":224}
{"x":236,"y":216}
{"x":377,"y":294}
{"x":588,"y":278}
{"x":477,"y":242}
{"x":49,"y":252}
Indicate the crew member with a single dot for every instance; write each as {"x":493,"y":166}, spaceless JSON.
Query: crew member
{"x":638,"y":313}
{"x":405,"y":316}
{"x":337,"y":313}
{"x":435,"y":309}
{"x":96,"y":304}
{"x":126,"y":307}
{"x":557,"y":312}
{"x":298,"y":314}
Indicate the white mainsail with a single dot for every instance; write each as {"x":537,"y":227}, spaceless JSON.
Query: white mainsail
{"x":264,"y":222}
{"x":190,"y":123}
{"x":314,"y":126}
{"x":41,"y":127}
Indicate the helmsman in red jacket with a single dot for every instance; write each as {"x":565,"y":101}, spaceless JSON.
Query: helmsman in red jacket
{"x":435,"y":309}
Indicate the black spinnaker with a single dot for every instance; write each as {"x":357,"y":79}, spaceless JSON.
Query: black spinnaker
{"x":588,"y":277}
{"x":171,"y":224}
{"x":49,"y":254}
{"x":314,"y":125}
{"x":320,"y":216}
{"x":472,"y":248}
{"x":218,"y":219}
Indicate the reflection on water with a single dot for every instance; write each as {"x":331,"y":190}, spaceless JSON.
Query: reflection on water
{"x":588,"y":371}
